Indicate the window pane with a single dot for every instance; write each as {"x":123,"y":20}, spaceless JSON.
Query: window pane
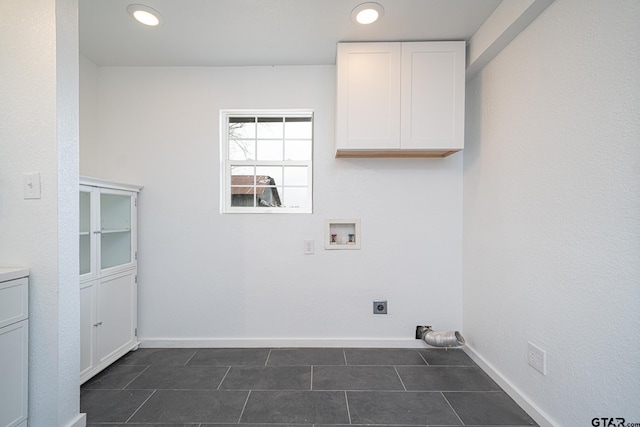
{"x":270,"y":127}
{"x":242,"y":127}
{"x":297,"y":150}
{"x":246,"y":171}
{"x":298,"y":127}
{"x":270,"y":150}
{"x":264,"y":173}
{"x":294,"y":197}
{"x":295,"y":175}
{"x":268,"y":197}
{"x":242,"y":149}
{"x":242,"y":186}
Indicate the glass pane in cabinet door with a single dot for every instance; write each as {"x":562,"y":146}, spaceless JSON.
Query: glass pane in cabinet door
{"x":115,"y":228}
{"x":85,"y":232}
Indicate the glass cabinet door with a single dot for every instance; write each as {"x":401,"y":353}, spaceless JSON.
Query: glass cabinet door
{"x":86,"y":242}
{"x":115,"y":229}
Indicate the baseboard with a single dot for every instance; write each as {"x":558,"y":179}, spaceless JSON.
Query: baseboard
{"x":80,"y":421}
{"x":520,"y":398}
{"x":278,"y":342}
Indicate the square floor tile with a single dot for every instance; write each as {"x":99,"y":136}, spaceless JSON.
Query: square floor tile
{"x":179,"y":378}
{"x":157,"y":356}
{"x":306,"y":356}
{"x":230,"y":356}
{"x":150,"y":425}
{"x":450,"y":356}
{"x":328,"y":407}
{"x":409,"y":408}
{"x":257,"y":425}
{"x":446,"y":378}
{"x":356,"y":378}
{"x":114,"y":377}
{"x":192,"y":406}
{"x":494,"y":408}
{"x":268,"y":378}
{"x":383,"y":356}
{"x":111,"y":405}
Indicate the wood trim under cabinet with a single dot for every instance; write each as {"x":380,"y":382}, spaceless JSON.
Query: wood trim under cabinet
{"x":393,"y":154}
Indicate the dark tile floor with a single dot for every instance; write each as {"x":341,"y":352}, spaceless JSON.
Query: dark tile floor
{"x":295,"y":388}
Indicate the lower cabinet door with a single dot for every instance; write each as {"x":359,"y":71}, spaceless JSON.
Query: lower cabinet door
{"x":14,"y":341}
{"x":87,"y":329}
{"x":116,"y":316}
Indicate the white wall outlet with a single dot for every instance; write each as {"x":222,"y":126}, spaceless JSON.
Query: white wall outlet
{"x":31,"y":185}
{"x":309,"y":247}
{"x":537,"y":358}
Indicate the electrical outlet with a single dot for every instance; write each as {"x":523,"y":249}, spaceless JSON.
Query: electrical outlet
{"x":379,"y":307}
{"x":537,"y":358}
{"x":309,"y":247}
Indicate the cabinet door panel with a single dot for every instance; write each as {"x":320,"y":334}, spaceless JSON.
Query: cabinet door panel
{"x":368,"y":96}
{"x":433,"y":95}
{"x":117,"y":231}
{"x":14,"y":341}
{"x":88,"y":227}
{"x":87,"y":329}
{"x":116,"y":315}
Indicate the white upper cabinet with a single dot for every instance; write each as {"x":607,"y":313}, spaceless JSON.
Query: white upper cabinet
{"x":107,"y":228}
{"x":368,"y":102}
{"x":400,"y":99}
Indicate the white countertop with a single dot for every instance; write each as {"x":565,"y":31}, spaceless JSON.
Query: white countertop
{"x":10,"y":273}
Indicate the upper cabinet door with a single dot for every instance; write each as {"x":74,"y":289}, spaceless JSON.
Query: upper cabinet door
{"x":433,"y":85}
{"x":117,"y":233}
{"x":368,"y":96}
{"x":88,"y":229}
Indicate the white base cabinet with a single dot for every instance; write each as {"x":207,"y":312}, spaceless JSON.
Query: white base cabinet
{"x":14,"y":347}
{"x":108,"y":273}
{"x":108,"y":313}
{"x":400,"y":99}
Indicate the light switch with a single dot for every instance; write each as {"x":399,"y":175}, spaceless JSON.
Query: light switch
{"x":32,"y":185}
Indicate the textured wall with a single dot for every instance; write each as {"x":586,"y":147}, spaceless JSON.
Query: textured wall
{"x":552,"y":211}
{"x":39,"y":110}
{"x":243,"y":279}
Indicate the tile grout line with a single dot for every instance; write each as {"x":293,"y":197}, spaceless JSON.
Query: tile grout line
{"x":400,"y":378}
{"x":190,"y":357}
{"x":422,"y":357}
{"x":454,"y":411}
{"x":344,"y":355}
{"x":244,"y":407}
{"x":141,"y":405}
{"x":223,"y":378}
{"x":346,"y":399}
{"x":136,"y":377}
{"x":266,"y":362}
{"x":311,"y":385}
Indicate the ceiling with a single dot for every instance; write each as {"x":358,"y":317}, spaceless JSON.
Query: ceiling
{"x":262,"y":32}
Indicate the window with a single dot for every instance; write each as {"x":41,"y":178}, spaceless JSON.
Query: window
{"x":267,"y":159}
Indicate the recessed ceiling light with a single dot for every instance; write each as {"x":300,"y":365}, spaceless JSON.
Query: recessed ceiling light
{"x":145,"y":15}
{"x":367,"y":13}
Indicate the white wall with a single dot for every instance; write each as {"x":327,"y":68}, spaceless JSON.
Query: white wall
{"x":39,"y":110}
{"x":89,"y":117}
{"x":552,"y":211}
{"x":234,"y":279}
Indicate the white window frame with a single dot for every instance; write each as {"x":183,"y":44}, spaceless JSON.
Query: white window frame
{"x":226,"y":164}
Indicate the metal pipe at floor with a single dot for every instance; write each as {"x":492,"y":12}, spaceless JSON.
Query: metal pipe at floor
{"x":440,"y":339}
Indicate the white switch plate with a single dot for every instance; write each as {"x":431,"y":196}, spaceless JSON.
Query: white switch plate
{"x":537,"y":358}
{"x":309,"y":246}
{"x":32,"y":185}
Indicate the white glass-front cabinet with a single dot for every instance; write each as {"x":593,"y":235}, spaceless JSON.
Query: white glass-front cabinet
{"x":108,"y":273}
{"x":400,"y":99}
